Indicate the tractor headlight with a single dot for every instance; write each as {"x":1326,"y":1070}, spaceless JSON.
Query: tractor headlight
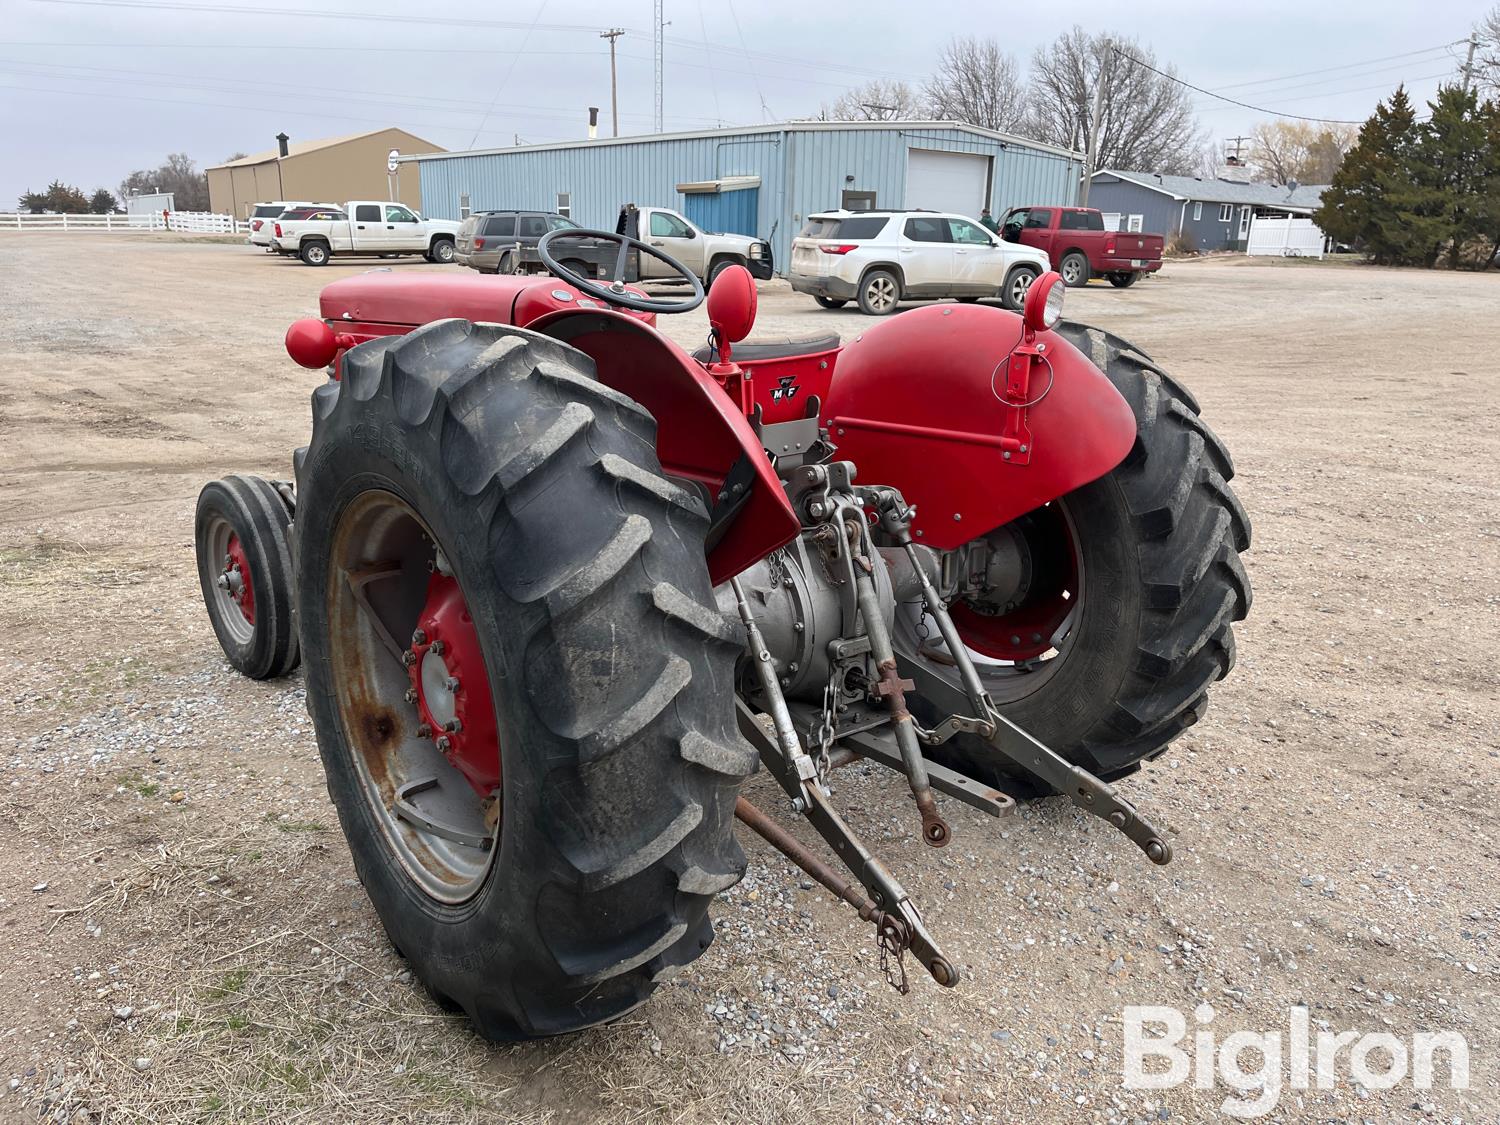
{"x":1052,"y":310}
{"x":1044,"y":302}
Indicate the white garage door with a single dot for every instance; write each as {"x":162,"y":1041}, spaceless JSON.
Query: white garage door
{"x":946,"y":181}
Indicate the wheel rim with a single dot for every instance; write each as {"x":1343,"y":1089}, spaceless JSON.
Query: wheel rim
{"x":413,"y":696}
{"x":881,"y":293}
{"x":1070,"y":270}
{"x":1017,"y":650}
{"x":1020,"y":285}
{"x":316,"y":254}
{"x":236,"y":589}
{"x":445,"y":251}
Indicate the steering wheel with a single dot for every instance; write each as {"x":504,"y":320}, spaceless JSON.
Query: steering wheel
{"x":614,"y":292}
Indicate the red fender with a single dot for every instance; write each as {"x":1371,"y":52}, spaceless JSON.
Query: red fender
{"x":917,"y":403}
{"x":701,"y":432}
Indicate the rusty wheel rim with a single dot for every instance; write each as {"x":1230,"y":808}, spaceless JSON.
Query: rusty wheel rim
{"x":443,"y":832}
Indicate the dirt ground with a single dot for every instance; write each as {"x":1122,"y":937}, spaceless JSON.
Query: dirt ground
{"x":182,"y":936}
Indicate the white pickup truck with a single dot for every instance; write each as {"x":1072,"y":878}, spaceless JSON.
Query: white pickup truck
{"x":363,"y":228}
{"x":701,"y":251}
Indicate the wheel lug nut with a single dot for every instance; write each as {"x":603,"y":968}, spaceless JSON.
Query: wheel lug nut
{"x":408,"y":658}
{"x":411,"y":695}
{"x":419,"y":638}
{"x":424,"y":731}
{"x":438,"y":648}
{"x":451,"y":683}
{"x":453,"y":726}
{"x":444,"y":744}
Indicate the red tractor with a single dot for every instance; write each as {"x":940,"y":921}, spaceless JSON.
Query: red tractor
{"x":557,"y":586}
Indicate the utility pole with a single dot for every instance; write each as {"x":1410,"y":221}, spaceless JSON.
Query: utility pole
{"x":1469,"y":62}
{"x":1091,"y":157}
{"x":614,"y":80}
{"x":659,"y":30}
{"x":1237,"y":142}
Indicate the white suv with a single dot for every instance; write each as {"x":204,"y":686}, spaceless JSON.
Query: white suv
{"x":880,"y":258}
{"x":264,"y":215}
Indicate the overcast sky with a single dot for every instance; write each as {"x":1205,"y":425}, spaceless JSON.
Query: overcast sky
{"x":91,"y":89}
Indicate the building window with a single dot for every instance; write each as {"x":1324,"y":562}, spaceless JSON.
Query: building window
{"x":1135,"y":224}
{"x":1226,"y":212}
{"x":565,"y":204}
{"x":1112,"y":220}
{"x":463,"y":205}
{"x":1197,"y":211}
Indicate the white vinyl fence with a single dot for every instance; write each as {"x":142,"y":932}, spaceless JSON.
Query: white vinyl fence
{"x":188,"y":222}
{"x":1287,"y":238}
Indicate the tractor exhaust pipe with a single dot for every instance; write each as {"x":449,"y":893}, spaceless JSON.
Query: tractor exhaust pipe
{"x":593,"y":122}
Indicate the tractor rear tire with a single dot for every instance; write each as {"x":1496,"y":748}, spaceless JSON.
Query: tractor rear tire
{"x":247,"y":515}
{"x":1159,"y":539}
{"x":610,"y":668}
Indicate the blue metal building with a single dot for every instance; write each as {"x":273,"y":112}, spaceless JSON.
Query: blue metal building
{"x":760,"y":180}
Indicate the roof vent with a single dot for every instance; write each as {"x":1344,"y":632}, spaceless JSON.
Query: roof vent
{"x":281,"y":140}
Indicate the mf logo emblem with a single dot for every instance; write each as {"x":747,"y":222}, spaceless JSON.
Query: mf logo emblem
{"x":785,"y":389}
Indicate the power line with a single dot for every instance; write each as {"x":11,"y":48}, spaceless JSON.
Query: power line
{"x":1231,"y":101}
{"x":1337,"y":93}
{"x":313,"y":13}
{"x":500,"y":89}
{"x":261,"y":88}
{"x":1344,"y":66}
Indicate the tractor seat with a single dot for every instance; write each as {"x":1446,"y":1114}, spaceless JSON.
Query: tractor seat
{"x":750,"y":351}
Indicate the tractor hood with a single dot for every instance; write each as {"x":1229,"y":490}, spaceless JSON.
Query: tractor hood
{"x":410,"y":299}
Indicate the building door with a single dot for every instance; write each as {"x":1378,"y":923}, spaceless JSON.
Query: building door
{"x":1244,"y":224}
{"x":946,"y":181}
{"x":724,"y":212}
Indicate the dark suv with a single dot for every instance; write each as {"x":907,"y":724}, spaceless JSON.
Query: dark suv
{"x":505,"y":242}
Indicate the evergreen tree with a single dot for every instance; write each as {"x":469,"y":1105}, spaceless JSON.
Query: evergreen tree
{"x":103,"y":202}
{"x":1357,"y":207}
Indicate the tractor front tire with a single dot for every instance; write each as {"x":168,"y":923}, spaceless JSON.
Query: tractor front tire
{"x":245,"y":571}
{"x":610,"y":669}
{"x":1158,"y":541}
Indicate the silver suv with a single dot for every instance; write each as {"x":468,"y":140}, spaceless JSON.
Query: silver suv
{"x":880,"y":258}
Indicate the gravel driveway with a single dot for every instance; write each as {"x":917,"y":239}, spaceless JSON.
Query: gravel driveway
{"x":182,"y":936}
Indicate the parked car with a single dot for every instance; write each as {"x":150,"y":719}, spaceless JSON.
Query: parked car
{"x":703,"y":252}
{"x":376,"y":229}
{"x":505,"y":242}
{"x":261,"y":216}
{"x":880,"y":258}
{"x":1075,"y":238}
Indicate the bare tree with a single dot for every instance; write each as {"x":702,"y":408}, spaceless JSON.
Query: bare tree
{"x":877,"y":100}
{"x":1305,"y":151}
{"x":1487,"y":58}
{"x":976,"y":83}
{"x":1147,"y":123}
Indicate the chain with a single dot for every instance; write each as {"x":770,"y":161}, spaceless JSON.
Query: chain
{"x":825,"y":733}
{"x":892,"y":947}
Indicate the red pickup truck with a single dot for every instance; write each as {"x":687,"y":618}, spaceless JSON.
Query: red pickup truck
{"x":1079,"y":246}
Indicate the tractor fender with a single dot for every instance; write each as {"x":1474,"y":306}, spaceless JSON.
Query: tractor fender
{"x":702,"y":436}
{"x":916,"y":403}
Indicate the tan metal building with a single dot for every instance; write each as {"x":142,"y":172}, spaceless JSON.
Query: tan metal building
{"x":333,"y":170}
